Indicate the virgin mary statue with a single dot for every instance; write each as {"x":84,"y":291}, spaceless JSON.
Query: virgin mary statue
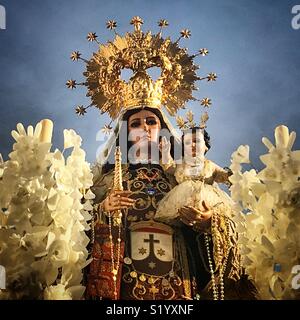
{"x":136,"y":256}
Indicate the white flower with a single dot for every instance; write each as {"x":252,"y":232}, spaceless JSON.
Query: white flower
{"x":267,"y":143}
{"x":291,"y":198}
{"x":241,"y":187}
{"x":291,"y":141}
{"x":272,"y":187}
{"x":236,"y":177}
{"x":71,"y":139}
{"x":77,"y":154}
{"x":57,"y":161}
{"x":59,"y":252}
{"x":291,"y":169}
{"x":281,"y":136}
{"x":88,"y":206}
{"x":258,"y":188}
{"x":276,"y":156}
{"x":270,"y":233}
{"x":34,"y":240}
{"x":53,"y":199}
{"x":57,"y":292}
{"x":241,"y":155}
{"x":89,"y":195}
{"x":270,"y":174}
{"x":40,"y":193}
{"x":61,"y":217}
{"x":87,"y":178}
{"x":33,"y":133}
{"x":265,"y":203}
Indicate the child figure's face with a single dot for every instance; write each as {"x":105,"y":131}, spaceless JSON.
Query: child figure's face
{"x":194,"y":144}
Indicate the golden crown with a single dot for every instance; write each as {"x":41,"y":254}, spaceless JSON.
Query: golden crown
{"x":189,"y":122}
{"x":139,"y":51}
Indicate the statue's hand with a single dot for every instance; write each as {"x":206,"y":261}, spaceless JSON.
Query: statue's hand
{"x":117,"y":200}
{"x":198,"y":219}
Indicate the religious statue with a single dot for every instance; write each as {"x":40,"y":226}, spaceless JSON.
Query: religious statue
{"x":145,"y":244}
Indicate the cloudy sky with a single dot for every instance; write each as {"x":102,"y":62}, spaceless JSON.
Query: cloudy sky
{"x":253,"y":49}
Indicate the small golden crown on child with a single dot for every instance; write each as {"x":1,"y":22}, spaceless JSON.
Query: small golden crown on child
{"x":188,"y":122}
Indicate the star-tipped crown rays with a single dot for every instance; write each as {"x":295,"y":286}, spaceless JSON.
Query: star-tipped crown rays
{"x":189,"y":121}
{"x":212,"y":76}
{"x":139,"y":51}
{"x":80,"y":110}
{"x":71,"y":84}
{"x":76,"y":56}
{"x":137,"y":22}
{"x":92,"y":36}
{"x":206,"y":102}
{"x":111,"y":24}
{"x":204,"y":52}
{"x":185,"y":33}
{"x":163,"y":23}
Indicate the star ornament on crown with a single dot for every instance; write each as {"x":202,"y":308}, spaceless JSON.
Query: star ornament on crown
{"x":139,"y":51}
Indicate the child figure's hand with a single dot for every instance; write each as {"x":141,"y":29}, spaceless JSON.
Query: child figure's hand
{"x":165,"y":149}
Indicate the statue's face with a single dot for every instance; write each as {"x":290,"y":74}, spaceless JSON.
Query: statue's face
{"x":194,"y":144}
{"x":144,"y":127}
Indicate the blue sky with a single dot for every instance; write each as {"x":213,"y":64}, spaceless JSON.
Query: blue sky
{"x":253,"y":49}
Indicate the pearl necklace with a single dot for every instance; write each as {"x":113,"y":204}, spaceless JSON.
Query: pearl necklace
{"x":115,"y":265}
{"x":216,"y":294}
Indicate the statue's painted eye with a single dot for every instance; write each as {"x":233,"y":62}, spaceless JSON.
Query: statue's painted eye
{"x":135,"y":124}
{"x":151,"y":121}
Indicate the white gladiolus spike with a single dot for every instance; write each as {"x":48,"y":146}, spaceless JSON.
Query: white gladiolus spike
{"x":40,"y":192}
{"x":291,"y":141}
{"x":267,"y":143}
{"x":270,"y":199}
{"x":281,"y":136}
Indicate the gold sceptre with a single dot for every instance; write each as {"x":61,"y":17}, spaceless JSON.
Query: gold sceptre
{"x":118,"y":186}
